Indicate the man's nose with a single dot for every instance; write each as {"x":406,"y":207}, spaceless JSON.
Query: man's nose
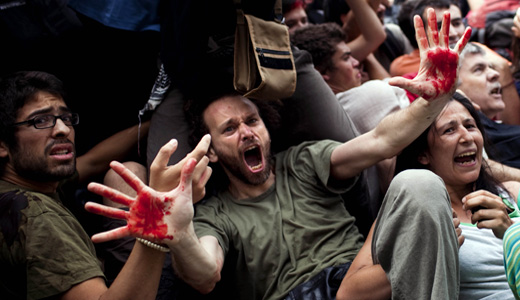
{"x":245,"y":131}
{"x":493,"y":74}
{"x":61,"y":128}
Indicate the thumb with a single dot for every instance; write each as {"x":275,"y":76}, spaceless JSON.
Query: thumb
{"x":400,"y":81}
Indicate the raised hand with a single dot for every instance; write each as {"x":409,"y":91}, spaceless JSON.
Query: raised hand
{"x":439,"y":64}
{"x":164,"y":178}
{"x":489,"y":211}
{"x":152,"y":215}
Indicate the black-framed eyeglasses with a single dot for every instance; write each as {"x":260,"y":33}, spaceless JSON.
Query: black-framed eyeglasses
{"x":48,"y":121}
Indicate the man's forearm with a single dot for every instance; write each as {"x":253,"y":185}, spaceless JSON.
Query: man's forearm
{"x":399,"y":129}
{"x":503,"y":172}
{"x":198,"y":261}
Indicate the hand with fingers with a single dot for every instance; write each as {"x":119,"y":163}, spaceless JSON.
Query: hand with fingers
{"x":164,"y":177}
{"x":458,"y":230}
{"x":438,"y":67}
{"x":152,"y":215}
{"x":489,"y":211}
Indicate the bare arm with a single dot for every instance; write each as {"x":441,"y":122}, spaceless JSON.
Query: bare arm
{"x":116,"y":147}
{"x":435,"y":81}
{"x":374,"y":68}
{"x":164,"y":217}
{"x":503,"y":172}
{"x":198,"y":261}
{"x":372,"y":31}
{"x":364,"y":280}
{"x":139,"y":279}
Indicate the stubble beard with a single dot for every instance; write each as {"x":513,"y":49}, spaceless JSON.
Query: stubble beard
{"x":235,"y":165}
{"x":38,"y":168}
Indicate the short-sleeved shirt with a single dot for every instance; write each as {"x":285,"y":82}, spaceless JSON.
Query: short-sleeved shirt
{"x":289,"y":233}
{"x":44,"y":251}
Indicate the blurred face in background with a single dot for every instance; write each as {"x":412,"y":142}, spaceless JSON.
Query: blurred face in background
{"x":346,"y":72}
{"x":480,"y":83}
{"x":296,"y":17}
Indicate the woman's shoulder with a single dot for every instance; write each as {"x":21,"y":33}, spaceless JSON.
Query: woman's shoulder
{"x":513,"y":187}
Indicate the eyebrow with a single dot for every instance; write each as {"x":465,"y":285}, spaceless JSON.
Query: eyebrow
{"x":234,"y":120}
{"x":450,"y":123}
{"x":454,"y":122}
{"x":46,"y":111}
{"x":346,"y":54}
{"x":479,"y":64}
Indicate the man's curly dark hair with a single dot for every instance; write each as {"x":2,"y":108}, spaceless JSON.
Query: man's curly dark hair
{"x":320,"y":40}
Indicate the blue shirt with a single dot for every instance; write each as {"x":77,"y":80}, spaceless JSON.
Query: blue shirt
{"x":134,"y":15}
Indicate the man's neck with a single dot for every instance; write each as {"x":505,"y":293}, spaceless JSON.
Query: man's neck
{"x":43,"y":187}
{"x":241,"y":190}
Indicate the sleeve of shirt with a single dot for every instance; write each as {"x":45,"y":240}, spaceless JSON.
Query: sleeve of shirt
{"x":511,"y":242}
{"x":310,"y":162}
{"x":209,"y":221}
{"x":59,"y":252}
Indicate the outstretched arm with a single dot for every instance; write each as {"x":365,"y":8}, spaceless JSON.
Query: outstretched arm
{"x":116,"y":147}
{"x":435,"y":83}
{"x":139,"y":278}
{"x":164,"y":217}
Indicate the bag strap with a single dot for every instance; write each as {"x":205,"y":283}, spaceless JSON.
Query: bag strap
{"x":278,"y":13}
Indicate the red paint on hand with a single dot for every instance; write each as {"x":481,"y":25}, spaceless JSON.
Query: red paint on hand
{"x":443,"y":71}
{"x":146,"y":217}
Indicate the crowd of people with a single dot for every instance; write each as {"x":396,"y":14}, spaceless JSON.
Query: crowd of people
{"x":131,"y":168}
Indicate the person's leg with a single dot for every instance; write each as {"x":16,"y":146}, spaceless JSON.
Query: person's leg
{"x":168,"y":122}
{"x":415,"y":240}
{"x":323,"y":285}
{"x":313,"y":112}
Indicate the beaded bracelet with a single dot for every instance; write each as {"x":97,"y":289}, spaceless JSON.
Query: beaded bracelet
{"x":153,"y":245}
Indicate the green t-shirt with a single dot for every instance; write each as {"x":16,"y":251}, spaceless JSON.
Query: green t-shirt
{"x":291,"y":232}
{"x":44,"y":251}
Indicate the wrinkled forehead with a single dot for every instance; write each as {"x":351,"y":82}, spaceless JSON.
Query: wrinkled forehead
{"x":453,"y":110}
{"x":229,"y":107}
{"x":41,"y":103}
{"x":471,"y":59}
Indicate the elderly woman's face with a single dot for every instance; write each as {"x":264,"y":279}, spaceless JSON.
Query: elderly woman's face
{"x":455,"y":146}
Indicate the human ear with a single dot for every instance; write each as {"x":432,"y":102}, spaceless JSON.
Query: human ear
{"x":4,"y":150}
{"x":325,"y":77}
{"x":423,"y":159}
{"x":212,"y":155}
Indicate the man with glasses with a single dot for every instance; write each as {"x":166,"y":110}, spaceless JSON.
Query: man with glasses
{"x":44,"y":251}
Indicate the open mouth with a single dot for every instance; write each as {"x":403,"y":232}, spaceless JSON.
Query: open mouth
{"x":253,"y":158}
{"x":61,"y":150}
{"x":496,"y":91}
{"x":466,"y":158}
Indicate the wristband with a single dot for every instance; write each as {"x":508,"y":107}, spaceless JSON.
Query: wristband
{"x":153,"y":245}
